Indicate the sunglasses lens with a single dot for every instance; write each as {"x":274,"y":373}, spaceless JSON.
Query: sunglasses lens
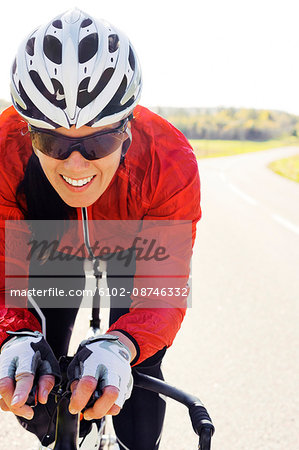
{"x":101,"y":146}
{"x":91,"y":147}
{"x":49,"y":145}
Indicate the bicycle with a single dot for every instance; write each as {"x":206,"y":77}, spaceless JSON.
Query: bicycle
{"x":67,"y":424}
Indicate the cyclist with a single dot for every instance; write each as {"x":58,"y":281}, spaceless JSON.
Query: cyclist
{"x":76,"y":146}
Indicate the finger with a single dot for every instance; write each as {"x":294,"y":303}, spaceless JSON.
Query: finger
{"x":3,"y":405}
{"x":7,"y":388}
{"x":23,"y":411}
{"x":114,"y":410}
{"x":103,"y":404}
{"x":45,"y":386}
{"x":24,"y":383}
{"x":74,"y":385}
{"x":82,"y":394}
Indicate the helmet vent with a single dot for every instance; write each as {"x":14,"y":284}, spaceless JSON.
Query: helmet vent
{"x":113,"y":43}
{"x":86,"y":23}
{"x":132,"y":59}
{"x":88,"y":47}
{"x":32,"y":110}
{"x":57,"y":98}
{"x":114,"y":105}
{"x":59,"y":94}
{"x":30,"y":46}
{"x":85,"y":97}
{"x":53,"y":49}
{"x":57,"y":24}
{"x":14,"y":66}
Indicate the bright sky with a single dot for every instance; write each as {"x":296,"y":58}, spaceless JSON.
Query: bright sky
{"x":198,"y":53}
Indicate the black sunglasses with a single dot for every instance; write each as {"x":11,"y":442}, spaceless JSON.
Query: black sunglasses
{"x":94,"y":146}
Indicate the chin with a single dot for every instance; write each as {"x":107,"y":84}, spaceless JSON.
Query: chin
{"x":77,"y":202}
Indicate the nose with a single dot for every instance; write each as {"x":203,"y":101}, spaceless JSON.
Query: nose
{"x":76,"y":162}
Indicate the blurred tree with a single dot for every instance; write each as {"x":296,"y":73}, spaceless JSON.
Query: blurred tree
{"x":231,"y":123}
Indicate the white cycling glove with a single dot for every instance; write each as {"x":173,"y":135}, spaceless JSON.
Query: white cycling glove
{"x":106,"y":359}
{"x":27,"y":352}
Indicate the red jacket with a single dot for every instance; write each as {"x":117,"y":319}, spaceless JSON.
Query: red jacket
{"x":158,"y":180}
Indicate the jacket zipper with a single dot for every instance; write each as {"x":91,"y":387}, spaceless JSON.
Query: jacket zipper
{"x":101,"y":263}
{"x":98,"y":272}
{"x":86,"y":233}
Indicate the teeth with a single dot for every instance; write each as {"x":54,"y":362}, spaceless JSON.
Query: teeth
{"x":77,"y":182}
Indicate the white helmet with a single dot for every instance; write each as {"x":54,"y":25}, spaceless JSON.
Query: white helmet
{"x":75,"y":70}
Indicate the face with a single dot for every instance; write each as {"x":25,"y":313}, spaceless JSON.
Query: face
{"x":96,"y":175}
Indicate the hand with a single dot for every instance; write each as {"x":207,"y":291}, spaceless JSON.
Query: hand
{"x":102,"y":361}
{"x":20,"y":358}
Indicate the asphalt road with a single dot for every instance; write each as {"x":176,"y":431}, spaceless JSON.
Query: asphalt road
{"x":238,"y":348}
{"x":239,"y":345}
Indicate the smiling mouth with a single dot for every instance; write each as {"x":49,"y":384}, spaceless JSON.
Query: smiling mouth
{"x":78,"y":183}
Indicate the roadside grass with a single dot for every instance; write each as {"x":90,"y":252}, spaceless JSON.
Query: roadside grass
{"x":205,"y":148}
{"x":287,"y":167}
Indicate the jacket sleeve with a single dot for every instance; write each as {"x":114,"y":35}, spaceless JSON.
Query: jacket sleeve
{"x":154,"y":319}
{"x":13,"y":275}
{"x":12,"y":261}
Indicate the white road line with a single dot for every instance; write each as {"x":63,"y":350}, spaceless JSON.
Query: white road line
{"x":289,"y":225}
{"x":237,"y":191}
{"x":242,"y":194}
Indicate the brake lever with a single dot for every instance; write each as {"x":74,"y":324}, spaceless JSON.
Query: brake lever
{"x":94,"y":397}
{"x":32,"y":397}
